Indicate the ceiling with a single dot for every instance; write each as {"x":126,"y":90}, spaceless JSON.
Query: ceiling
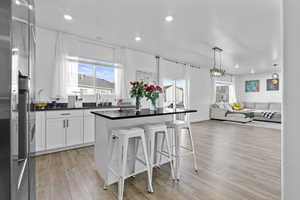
{"x":247,"y":30}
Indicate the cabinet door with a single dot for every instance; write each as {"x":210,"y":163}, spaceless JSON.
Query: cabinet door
{"x":55,"y":133}
{"x":40,"y":133}
{"x":74,"y":131}
{"x":89,"y":130}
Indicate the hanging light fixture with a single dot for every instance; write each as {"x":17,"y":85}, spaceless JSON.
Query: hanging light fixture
{"x":215,"y":71}
{"x":275,"y":75}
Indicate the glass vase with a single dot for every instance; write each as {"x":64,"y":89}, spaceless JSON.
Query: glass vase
{"x":153,"y":105}
{"x":137,"y":103}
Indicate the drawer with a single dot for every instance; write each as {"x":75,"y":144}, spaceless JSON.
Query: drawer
{"x":87,"y":113}
{"x":64,"y":114}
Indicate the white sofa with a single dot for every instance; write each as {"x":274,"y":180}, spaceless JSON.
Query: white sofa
{"x":220,"y":112}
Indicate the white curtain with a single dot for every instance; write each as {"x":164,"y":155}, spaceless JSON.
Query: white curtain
{"x":120,"y":80}
{"x":65,"y":79}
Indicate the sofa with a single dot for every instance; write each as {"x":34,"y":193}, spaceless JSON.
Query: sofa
{"x":259,"y":108}
{"x":224,"y":112}
{"x":251,"y":111}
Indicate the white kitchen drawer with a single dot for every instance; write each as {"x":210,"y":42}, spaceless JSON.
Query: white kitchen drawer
{"x":64,"y":114}
{"x":87,"y":113}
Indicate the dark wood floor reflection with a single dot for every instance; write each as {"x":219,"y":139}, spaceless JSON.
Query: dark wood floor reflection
{"x":236,"y":162}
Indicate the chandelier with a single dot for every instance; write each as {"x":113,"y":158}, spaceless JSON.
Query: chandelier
{"x":217,"y":71}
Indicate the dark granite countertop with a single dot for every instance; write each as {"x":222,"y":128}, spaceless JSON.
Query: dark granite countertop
{"x":82,"y":108}
{"x":132,"y":113}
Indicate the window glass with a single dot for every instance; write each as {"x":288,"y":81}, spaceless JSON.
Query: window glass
{"x":93,"y":79}
{"x":222,"y":93}
{"x":105,"y":80}
{"x":180,"y":93}
{"x":174,"y":92}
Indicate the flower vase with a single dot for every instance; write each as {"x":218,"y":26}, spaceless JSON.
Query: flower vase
{"x":138,"y":104}
{"x":153,"y":105}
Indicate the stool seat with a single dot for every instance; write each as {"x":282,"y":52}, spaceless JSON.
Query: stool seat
{"x":154,"y":127}
{"x":124,"y":136}
{"x":152,"y":130}
{"x":177,"y":126}
{"x":177,"y":123}
{"x":132,"y":132}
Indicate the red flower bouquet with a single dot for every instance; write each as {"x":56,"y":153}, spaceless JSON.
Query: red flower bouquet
{"x":152,"y":93}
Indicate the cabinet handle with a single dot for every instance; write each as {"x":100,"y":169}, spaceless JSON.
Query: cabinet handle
{"x":64,"y":124}
{"x":67,"y":123}
{"x":65,"y":114}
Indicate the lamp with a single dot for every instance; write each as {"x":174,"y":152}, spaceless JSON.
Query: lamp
{"x":217,"y":72}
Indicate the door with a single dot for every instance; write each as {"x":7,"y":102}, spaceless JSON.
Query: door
{"x":55,"y":133}
{"x":89,"y":129}
{"x":74,"y":131}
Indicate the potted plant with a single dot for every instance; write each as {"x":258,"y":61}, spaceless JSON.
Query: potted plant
{"x":138,"y":92}
{"x":152,"y":93}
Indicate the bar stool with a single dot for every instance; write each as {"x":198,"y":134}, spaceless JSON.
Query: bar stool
{"x":123,"y":136}
{"x":152,"y":131}
{"x":177,"y":126}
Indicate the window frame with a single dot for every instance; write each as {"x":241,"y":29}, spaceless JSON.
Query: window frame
{"x":94,"y":63}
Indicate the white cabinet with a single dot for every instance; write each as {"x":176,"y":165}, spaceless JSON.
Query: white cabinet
{"x":55,"y":133}
{"x":74,"y":131}
{"x":40,"y":134}
{"x":64,"y":129}
{"x":89,"y":129}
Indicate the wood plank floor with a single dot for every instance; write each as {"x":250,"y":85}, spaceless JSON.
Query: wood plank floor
{"x":235,"y":163}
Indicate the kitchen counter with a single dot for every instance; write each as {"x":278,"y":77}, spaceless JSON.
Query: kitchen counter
{"x":106,"y":121}
{"x":132,"y":113}
{"x":83,"y":108}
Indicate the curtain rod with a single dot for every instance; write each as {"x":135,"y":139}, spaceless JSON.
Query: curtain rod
{"x":112,"y":45}
{"x":179,"y":62}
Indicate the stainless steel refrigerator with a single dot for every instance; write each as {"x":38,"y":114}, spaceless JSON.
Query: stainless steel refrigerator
{"x":17,"y":116}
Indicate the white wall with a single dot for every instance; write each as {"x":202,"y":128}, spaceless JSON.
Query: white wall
{"x":291,"y":99}
{"x":263,"y":95}
{"x":200,"y":93}
{"x":200,"y":82}
{"x":45,"y":62}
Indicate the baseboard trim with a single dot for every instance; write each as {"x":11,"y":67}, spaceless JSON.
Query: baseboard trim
{"x":40,"y":153}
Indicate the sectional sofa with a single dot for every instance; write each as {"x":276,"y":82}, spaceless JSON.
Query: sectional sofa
{"x":251,"y":111}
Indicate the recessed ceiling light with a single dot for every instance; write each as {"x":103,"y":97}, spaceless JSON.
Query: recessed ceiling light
{"x":236,"y":66}
{"x":68,"y":17}
{"x":137,"y":38}
{"x":30,"y":7}
{"x":252,"y":71}
{"x":169,"y":18}
{"x":18,"y":2}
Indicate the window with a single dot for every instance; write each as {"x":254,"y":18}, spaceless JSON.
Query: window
{"x":94,"y":77}
{"x":174,"y":92}
{"x":225,"y":92}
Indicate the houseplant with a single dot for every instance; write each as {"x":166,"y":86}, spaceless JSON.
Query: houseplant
{"x":138,"y":92}
{"x":152,"y":93}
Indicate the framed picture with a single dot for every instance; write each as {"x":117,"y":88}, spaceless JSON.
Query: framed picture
{"x":252,"y":86}
{"x":147,"y":77}
{"x":272,"y":84}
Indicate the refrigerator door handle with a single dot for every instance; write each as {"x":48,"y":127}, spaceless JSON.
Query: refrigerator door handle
{"x":20,"y":178}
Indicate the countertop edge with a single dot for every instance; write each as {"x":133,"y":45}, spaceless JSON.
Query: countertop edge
{"x":146,"y":115}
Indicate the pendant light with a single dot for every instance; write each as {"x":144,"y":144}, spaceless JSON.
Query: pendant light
{"x":215,"y":71}
{"x":275,"y":75}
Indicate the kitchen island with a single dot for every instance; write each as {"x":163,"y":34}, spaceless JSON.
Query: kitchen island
{"x":105,"y":121}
